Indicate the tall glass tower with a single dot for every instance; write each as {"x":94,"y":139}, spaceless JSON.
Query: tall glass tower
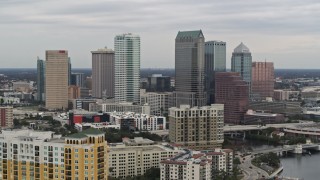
{"x":215,"y":61}
{"x":189,"y":69}
{"x":241,"y":62}
{"x":41,"y":68}
{"x":127,"y":68}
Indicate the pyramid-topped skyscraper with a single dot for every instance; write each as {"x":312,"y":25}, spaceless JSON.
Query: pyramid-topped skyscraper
{"x":241,"y":62}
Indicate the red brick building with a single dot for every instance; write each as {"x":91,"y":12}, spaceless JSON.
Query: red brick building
{"x":233,"y":92}
{"x":262,"y":83}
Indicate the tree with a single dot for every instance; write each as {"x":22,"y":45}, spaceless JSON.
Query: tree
{"x":2,"y":101}
{"x":16,"y":122}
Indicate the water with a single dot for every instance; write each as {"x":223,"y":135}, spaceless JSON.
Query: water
{"x":302,"y":166}
{"x":298,"y":166}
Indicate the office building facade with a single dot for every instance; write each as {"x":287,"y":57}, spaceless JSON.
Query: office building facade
{"x":57,"y":79}
{"x":41,"y":70}
{"x":73,"y":92}
{"x":262,"y":80}
{"x":127,"y":68}
{"x":189,"y":69}
{"x":77,"y":79}
{"x":158,"y":83}
{"x":103,"y":73}
{"x":241,"y":62}
{"x":215,"y":61}
{"x":159,"y":102}
{"x":232,"y":91}
{"x":197,"y":128}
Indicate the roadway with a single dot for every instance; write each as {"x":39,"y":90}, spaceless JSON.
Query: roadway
{"x":252,"y":173}
{"x":228,"y":128}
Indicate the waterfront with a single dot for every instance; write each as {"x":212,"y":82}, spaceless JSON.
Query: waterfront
{"x":302,"y":166}
{"x":295,"y":165}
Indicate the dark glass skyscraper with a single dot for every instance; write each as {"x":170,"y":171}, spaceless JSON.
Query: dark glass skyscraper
{"x":41,"y":67}
{"x":189,"y":69}
{"x":77,"y":79}
{"x":215,"y":61}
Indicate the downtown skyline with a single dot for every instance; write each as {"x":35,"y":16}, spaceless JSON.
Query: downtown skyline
{"x":282,"y":32}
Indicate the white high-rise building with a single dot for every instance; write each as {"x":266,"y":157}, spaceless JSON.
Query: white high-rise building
{"x":127,"y":68}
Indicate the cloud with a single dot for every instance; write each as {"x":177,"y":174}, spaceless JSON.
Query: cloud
{"x":157,"y":21}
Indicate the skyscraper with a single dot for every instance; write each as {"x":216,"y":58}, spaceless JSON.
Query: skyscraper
{"x":69,"y":71}
{"x":231,"y":91}
{"x":41,"y":67}
{"x":215,"y":61}
{"x":262,"y":80}
{"x":241,"y":62}
{"x":103,"y":73}
{"x":77,"y":79}
{"x":189,"y":69}
{"x":127,"y":68}
{"x":57,"y":73}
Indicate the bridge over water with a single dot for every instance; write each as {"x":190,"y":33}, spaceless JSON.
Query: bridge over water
{"x":297,"y":149}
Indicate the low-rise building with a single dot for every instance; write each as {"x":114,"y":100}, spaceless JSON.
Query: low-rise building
{"x":101,"y":126}
{"x":310,"y":93}
{"x":128,"y":160}
{"x":285,"y":95}
{"x":256,"y":117}
{"x":142,"y":122}
{"x":82,"y":116}
{"x":283,"y":107}
{"x":191,"y":165}
{"x":119,"y":107}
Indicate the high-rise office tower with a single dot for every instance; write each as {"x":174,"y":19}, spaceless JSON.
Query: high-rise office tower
{"x":127,"y":68}
{"x":69,"y":71}
{"x":103,"y":73}
{"x":262,"y":80}
{"x":57,"y":73}
{"x":241,"y":62}
{"x":198,"y":128}
{"x":77,"y":79}
{"x":6,"y":117}
{"x":215,"y":61}
{"x":232,"y":91}
{"x":189,"y":69}
{"x":41,"y":67}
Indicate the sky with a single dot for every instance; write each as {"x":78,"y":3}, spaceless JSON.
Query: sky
{"x":286,"y":32}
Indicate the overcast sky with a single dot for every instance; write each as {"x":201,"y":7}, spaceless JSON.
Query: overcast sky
{"x":286,"y":32}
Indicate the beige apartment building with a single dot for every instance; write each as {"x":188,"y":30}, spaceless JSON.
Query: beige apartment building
{"x":191,"y":165}
{"x":134,"y":157}
{"x":197,"y":128}
{"x":57,"y":74}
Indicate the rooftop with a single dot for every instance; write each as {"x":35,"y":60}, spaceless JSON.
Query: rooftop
{"x":83,"y":134}
{"x":190,"y":34}
{"x":241,"y":48}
